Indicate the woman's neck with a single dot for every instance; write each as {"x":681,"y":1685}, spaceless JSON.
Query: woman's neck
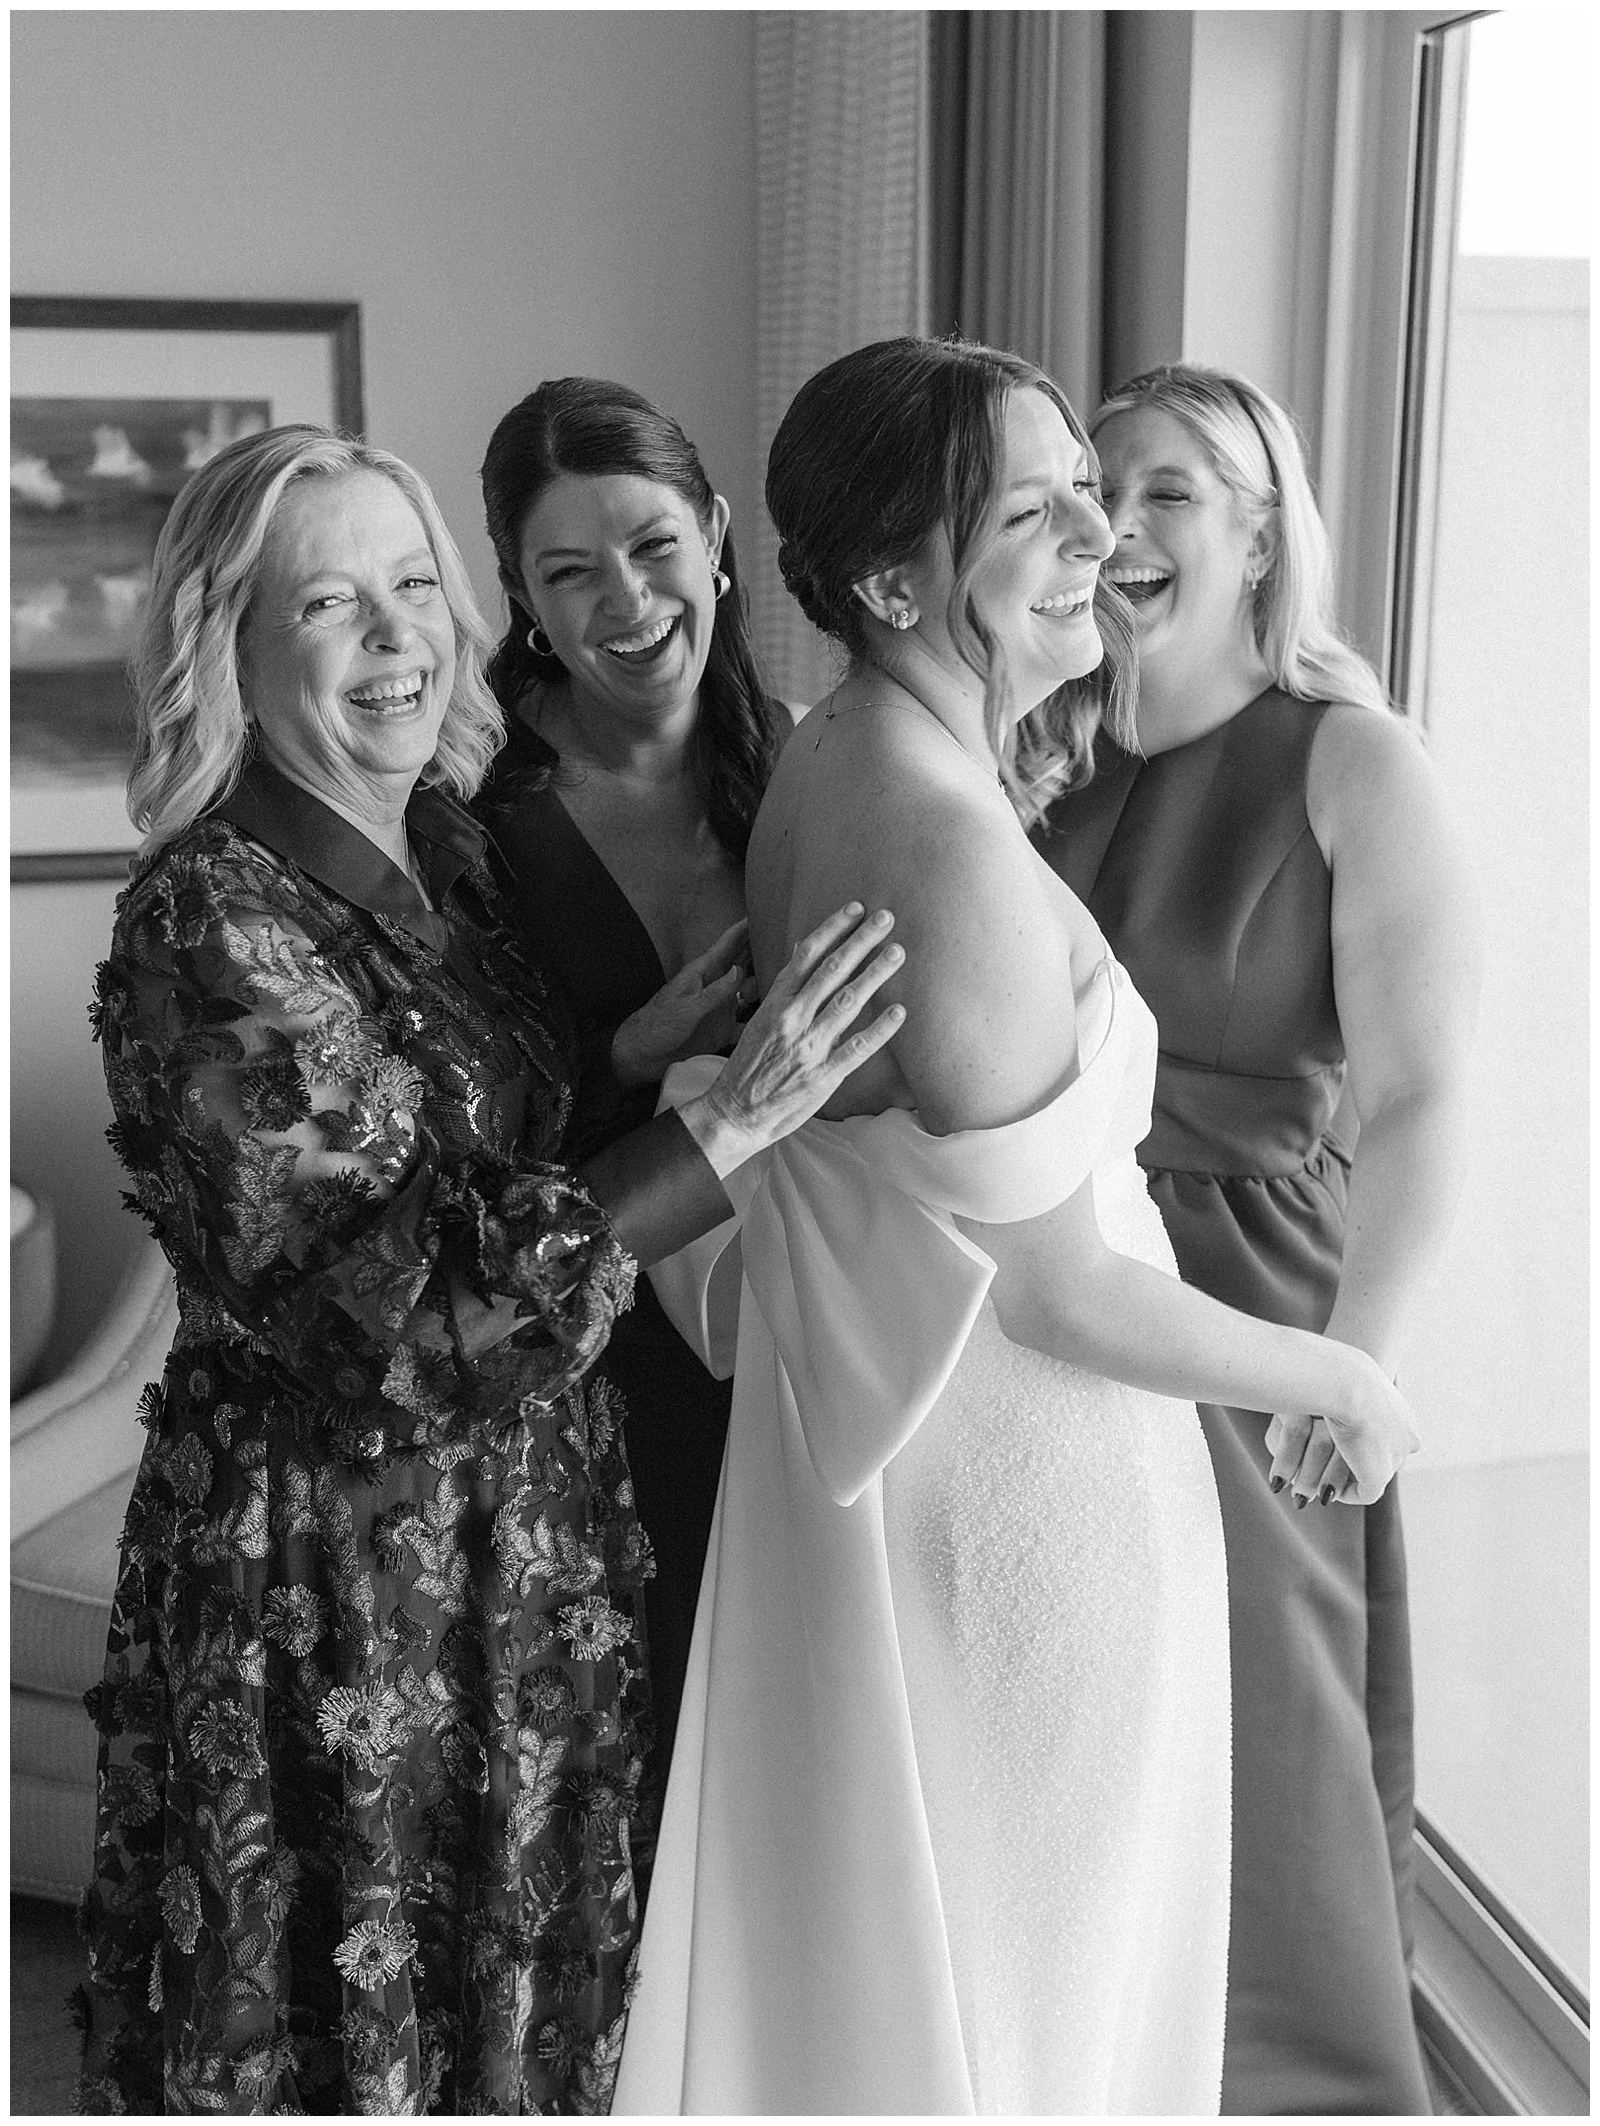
{"x":1179,"y":701}
{"x":378,"y":812}
{"x":953,"y":699}
{"x":596,"y":734}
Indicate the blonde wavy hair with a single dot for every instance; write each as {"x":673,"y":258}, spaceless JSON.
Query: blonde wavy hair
{"x":1256,"y":452}
{"x":193,"y":736}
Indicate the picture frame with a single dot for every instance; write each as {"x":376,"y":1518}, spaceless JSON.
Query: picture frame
{"x":114,"y":401}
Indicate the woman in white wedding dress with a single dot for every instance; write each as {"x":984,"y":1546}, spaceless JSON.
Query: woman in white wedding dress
{"x":948,"y":1821}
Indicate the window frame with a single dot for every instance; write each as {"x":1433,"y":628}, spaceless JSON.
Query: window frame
{"x":1500,"y":2015}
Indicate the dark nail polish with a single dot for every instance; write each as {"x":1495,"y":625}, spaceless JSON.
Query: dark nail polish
{"x":1278,"y":1483}
{"x":1302,"y":1503}
{"x":1325,"y":1494}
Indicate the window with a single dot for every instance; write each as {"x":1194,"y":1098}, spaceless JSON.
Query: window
{"x":1489,"y":647}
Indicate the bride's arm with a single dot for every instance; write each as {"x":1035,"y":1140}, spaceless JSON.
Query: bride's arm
{"x":1060,"y":1289}
{"x":989,"y":1036}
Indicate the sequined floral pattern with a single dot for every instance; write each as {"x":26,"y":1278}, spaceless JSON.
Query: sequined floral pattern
{"x":373,"y":1714}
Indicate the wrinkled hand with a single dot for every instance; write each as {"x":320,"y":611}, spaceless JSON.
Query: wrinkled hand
{"x":1346,"y":1460}
{"x":798,"y":1048}
{"x":695,"y":1014}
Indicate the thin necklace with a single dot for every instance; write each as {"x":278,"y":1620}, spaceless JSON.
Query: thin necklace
{"x":917,"y":709}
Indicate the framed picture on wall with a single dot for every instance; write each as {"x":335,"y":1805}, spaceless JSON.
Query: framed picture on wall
{"x":114,"y":402}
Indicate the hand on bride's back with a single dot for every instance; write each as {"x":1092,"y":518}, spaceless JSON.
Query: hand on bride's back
{"x":802,"y":1041}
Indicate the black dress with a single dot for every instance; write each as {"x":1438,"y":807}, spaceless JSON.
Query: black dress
{"x":373,"y":1717}
{"x":1200,"y":866}
{"x":597,"y":956}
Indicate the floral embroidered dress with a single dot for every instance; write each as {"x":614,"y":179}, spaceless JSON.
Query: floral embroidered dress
{"x":373,"y":1712}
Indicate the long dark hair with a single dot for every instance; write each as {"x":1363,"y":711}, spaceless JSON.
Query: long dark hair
{"x":875,"y":453}
{"x":579,"y":424}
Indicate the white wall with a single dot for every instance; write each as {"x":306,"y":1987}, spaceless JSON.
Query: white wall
{"x":1257,"y":243}
{"x":1498,"y":1359}
{"x":509,"y":196}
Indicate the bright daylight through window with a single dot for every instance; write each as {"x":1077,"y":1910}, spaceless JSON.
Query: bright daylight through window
{"x":1497,"y":1507}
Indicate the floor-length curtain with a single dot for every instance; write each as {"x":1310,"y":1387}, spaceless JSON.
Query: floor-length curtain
{"x":841,"y":131}
{"x":1017,"y":185}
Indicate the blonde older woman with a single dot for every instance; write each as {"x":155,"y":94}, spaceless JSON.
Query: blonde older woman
{"x":371,"y":1713}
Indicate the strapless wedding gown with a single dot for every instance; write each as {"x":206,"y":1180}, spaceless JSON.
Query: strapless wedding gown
{"x":947,"y":1828}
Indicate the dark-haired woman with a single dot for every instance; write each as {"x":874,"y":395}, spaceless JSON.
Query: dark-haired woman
{"x":948,"y":1818}
{"x":640,"y":740}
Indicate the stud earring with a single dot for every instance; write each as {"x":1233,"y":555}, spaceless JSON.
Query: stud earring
{"x":539,"y":642}
{"x":721,"y":583}
{"x":901,"y":618}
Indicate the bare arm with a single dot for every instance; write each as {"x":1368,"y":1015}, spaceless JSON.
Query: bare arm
{"x":1407,"y":967}
{"x":1060,"y":1289}
{"x":989,"y":1036}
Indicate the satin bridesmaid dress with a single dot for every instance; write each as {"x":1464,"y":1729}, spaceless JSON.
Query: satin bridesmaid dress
{"x":1200,"y":866}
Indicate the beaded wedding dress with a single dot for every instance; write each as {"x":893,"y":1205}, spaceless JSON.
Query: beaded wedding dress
{"x":947,"y":1828}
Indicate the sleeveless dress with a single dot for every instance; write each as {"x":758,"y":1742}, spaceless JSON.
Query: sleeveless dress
{"x":599,"y":960}
{"x":946,"y":1830}
{"x":1200,"y":866}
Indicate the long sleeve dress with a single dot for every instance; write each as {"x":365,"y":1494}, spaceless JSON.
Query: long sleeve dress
{"x":1200,"y":866}
{"x":947,"y":1826}
{"x":372,"y":1716}
{"x":597,"y":957}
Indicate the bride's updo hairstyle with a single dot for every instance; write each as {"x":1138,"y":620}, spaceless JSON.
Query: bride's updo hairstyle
{"x":878,"y":451}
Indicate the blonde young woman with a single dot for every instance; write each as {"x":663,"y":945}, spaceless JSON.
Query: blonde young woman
{"x":1272,"y":861}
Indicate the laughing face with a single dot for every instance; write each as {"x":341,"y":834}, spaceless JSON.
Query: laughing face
{"x":1184,"y":549}
{"x":1034,"y":585}
{"x":347,"y":653}
{"x":618,"y":570}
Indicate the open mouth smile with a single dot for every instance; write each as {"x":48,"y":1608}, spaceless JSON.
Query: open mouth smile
{"x":1065,"y":605}
{"x":645,"y":643}
{"x":1139,"y":585}
{"x":383,"y":695}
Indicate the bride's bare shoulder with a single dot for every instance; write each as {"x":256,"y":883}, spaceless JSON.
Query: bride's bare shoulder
{"x":889,"y":810}
{"x":870,"y":767}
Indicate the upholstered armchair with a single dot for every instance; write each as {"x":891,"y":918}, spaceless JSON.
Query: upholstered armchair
{"x":75,"y":1445}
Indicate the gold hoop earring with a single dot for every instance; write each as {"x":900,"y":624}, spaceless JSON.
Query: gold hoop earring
{"x":721,"y":583}
{"x":539,"y":642}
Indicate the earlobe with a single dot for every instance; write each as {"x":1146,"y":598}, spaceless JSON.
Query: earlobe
{"x":1263,"y":550}
{"x":717,"y":530}
{"x":884,"y":595}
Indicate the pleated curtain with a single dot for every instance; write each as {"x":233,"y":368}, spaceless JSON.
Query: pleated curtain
{"x":1017,"y":185}
{"x":841,"y":133}
{"x":920,"y":172}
